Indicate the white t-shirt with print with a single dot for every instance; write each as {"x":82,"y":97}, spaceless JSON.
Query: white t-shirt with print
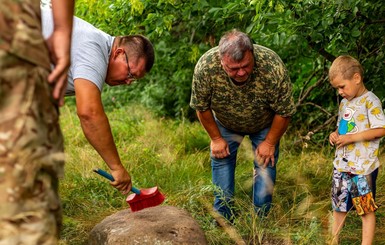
{"x":359,"y":114}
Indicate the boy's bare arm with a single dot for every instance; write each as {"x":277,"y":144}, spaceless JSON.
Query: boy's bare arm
{"x":367,"y":135}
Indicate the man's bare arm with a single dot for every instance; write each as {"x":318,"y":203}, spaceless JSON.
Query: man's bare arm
{"x":60,"y":45}
{"x":97,"y":130}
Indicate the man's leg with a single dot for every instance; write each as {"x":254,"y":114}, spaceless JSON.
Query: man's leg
{"x":223,"y":172}
{"x":264,"y":178}
{"x":223,"y":178}
{"x":31,"y":155}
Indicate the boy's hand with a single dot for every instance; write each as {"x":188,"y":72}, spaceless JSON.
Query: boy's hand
{"x":343,"y":140}
{"x":333,"y":138}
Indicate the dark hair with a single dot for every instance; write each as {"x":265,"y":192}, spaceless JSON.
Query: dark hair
{"x":139,"y":46}
{"x":235,"y":44}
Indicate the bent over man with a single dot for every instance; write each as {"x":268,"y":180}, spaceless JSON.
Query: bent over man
{"x":239,"y":89}
{"x":98,"y":58}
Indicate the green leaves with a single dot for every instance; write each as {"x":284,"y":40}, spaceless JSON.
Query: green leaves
{"x":307,"y":34}
{"x":137,"y":7}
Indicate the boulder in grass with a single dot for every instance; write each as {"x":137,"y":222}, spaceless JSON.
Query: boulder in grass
{"x":155,"y":225}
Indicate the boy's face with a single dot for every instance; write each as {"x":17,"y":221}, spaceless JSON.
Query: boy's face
{"x":347,"y":88}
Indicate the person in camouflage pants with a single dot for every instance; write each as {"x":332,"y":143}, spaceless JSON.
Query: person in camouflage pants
{"x":31,"y":143}
{"x":242,"y":89}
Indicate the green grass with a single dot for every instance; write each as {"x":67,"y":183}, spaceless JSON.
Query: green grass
{"x":174,"y":156}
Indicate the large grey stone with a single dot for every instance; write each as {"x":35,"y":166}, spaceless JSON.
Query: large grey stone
{"x":156,"y":225}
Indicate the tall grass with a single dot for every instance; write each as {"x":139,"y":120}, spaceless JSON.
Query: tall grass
{"x":174,"y":156}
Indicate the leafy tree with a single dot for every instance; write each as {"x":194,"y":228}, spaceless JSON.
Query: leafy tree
{"x":307,"y":34}
{"x":311,"y":34}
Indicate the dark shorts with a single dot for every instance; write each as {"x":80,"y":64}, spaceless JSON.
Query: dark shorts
{"x":351,"y":191}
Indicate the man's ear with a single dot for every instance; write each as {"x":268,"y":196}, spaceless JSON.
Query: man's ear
{"x":117,"y":52}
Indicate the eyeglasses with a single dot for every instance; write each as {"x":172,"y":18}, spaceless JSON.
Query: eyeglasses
{"x":129,"y":75}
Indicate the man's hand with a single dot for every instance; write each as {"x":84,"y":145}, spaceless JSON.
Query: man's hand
{"x":264,"y":154}
{"x":59,"y":45}
{"x":60,"y":57}
{"x":219,"y":148}
{"x":122,"y":180}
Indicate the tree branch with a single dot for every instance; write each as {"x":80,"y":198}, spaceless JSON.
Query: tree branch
{"x":308,"y":136}
{"x":369,"y":21}
{"x":307,"y":92}
{"x":306,"y":83}
{"x":321,"y":50}
{"x":317,"y":106}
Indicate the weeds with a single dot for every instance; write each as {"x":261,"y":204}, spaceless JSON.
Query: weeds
{"x":174,"y":156}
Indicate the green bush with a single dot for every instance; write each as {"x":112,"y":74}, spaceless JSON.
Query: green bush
{"x":306,"y":34}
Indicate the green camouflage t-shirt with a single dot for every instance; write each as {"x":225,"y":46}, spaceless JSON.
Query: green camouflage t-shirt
{"x":248,"y":108}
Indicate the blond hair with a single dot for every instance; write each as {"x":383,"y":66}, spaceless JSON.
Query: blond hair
{"x":346,"y":66}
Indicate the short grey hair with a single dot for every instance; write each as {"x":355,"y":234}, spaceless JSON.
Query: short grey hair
{"x":235,"y":44}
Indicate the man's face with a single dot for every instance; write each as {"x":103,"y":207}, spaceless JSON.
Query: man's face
{"x":239,"y":71}
{"x":123,"y":70}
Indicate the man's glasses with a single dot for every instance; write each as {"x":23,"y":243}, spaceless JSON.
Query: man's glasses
{"x":129,"y":75}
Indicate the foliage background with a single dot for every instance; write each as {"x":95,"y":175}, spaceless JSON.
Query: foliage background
{"x":307,"y":34}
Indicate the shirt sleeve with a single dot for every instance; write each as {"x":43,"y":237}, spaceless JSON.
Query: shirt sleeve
{"x":375,"y":115}
{"x":282,"y":101}
{"x":201,"y":90}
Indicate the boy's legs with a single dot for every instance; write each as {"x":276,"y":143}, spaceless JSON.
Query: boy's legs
{"x":341,"y":202}
{"x":364,"y":200}
{"x":358,"y":190}
{"x":368,"y":228}
{"x":338,"y":223}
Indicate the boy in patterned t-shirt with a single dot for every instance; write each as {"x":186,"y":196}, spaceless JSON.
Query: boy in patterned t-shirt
{"x":361,"y":124}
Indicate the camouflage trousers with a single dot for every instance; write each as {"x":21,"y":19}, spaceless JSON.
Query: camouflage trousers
{"x":31,"y":155}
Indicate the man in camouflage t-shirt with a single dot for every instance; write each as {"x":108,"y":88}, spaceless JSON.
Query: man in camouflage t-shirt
{"x":242,"y":89}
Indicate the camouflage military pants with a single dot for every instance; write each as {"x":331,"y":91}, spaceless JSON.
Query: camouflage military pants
{"x":31,"y":155}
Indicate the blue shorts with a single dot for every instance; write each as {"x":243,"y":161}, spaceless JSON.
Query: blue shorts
{"x":352,"y":191}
